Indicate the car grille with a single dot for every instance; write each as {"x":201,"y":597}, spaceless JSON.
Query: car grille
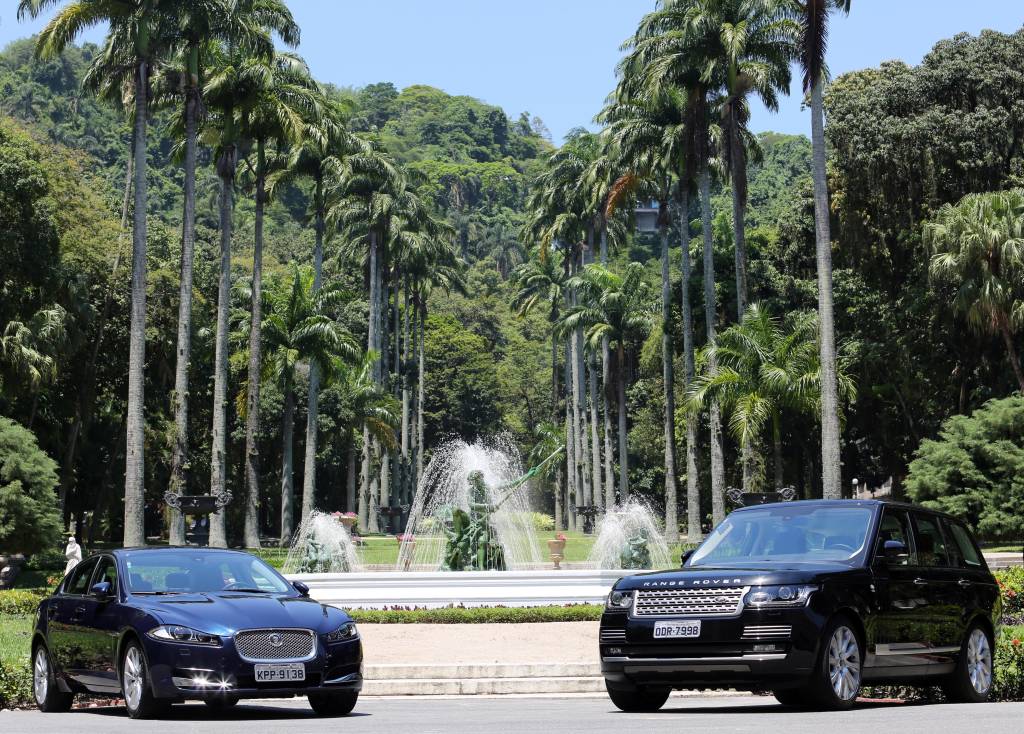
{"x":767,"y":632}
{"x":275,"y":644}
{"x":720,"y":602}
{"x":613,"y":635}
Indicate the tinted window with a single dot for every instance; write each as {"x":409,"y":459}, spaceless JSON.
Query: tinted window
{"x":962,"y":548}
{"x":107,"y":572}
{"x":794,"y":533}
{"x":79,"y":581}
{"x":895,"y":525}
{"x":931,"y":545}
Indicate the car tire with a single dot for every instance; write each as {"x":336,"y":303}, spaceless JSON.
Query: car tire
{"x":136,"y":686}
{"x":793,"y":697}
{"x":836,"y":680}
{"x":49,"y":698}
{"x":221,"y":703}
{"x":971,"y":680}
{"x":333,"y":704}
{"x":638,"y":700}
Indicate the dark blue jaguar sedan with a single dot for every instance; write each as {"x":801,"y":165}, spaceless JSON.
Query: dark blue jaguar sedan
{"x":161,"y":625}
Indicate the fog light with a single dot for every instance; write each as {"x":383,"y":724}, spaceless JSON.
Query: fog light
{"x":765,"y":648}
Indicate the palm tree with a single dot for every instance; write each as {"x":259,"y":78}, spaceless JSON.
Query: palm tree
{"x":813,"y":18}
{"x":131,"y":23}
{"x":549,"y":438}
{"x":667,"y":53}
{"x":239,"y":71}
{"x":274,"y":113}
{"x":977,"y":245}
{"x":617,"y":308}
{"x":324,"y":138}
{"x":764,"y":368}
{"x":298,"y":329}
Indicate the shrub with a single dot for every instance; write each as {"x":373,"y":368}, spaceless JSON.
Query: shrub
{"x":542,"y":523}
{"x":20,"y":601}
{"x":478,"y":615}
{"x":1009,"y":674}
{"x":29,"y":517}
{"x":15,"y":685}
{"x":974,"y":469}
{"x":1011,"y":587}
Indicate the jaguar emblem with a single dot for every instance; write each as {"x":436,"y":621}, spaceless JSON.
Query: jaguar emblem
{"x":275,"y":640}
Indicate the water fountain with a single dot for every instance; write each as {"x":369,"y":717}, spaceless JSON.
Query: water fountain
{"x":321,"y":545}
{"x":628,"y":537}
{"x":471,"y":511}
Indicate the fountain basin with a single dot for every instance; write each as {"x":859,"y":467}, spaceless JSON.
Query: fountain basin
{"x":436,"y":589}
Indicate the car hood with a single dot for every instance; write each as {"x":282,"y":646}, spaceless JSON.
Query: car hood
{"x":737,"y":575}
{"x":224,"y":613}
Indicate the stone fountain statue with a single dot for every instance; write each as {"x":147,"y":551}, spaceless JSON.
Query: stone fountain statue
{"x":471,"y":545}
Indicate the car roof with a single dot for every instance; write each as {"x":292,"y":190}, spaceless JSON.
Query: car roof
{"x":191,"y":549}
{"x":878,"y":503}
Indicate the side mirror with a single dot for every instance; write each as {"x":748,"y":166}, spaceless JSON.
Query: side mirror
{"x":686,"y":556}
{"x":894,"y":551}
{"x":102,"y":590}
{"x":301,"y":588}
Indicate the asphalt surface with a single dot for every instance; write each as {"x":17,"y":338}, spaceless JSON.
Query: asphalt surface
{"x":530,"y":715}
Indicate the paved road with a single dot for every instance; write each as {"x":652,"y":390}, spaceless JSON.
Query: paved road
{"x":513,"y":714}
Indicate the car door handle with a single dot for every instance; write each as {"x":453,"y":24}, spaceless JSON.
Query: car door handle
{"x":964,"y":582}
{"x":920,"y":582}
{"x":79,"y":614}
{"x":51,"y":612}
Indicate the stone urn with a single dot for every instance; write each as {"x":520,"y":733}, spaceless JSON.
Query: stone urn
{"x":556,"y":547}
{"x":348,"y":521}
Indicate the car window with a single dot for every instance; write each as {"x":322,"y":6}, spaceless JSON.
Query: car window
{"x":200,"y":572}
{"x":931,"y":545}
{"x":107,"y":572}
{"x":964,"y":553}
{"x":79,"y":582}
{"x":895,"y":525}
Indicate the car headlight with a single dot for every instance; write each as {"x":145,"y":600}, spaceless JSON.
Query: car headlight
{"x":779,"y":596}
{"x":346,"y":631}
{"x":619,"y":600}
{"x":184,"y":635}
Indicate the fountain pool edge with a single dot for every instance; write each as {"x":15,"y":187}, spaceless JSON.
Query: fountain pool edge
{"x":435,"y":589}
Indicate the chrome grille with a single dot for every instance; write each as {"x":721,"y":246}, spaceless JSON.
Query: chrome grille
{"x":275,"y":644}
{"x":613,"y":635}
{"x":716,"y":602}
{"x":767,"y":632}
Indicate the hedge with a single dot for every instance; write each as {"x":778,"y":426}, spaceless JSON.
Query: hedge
{"x":478,"y":615}
{"x":21,"y":601}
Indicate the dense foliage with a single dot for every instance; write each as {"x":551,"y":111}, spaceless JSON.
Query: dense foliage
{"x":29,"y":518}
{"x":975,"y":469}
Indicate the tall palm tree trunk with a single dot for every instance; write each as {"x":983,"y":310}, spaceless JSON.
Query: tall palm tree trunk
{"x":1011,"y":351}
{"x":367,"y":514}
{"x":572,"y":468}
{"x":738,"y":174}
{"x":420,"y":405}
{"x":404,"y":491}
{"x":623,"y":435}
{"x":252,"y":407}
{"x":831,"y":473}
{"x":715,"y":417}
{"x":179,"y":459}
{"x":363,"y":510}
{"x":693,"y":529}
{"x":287,"y":465}
{"x":668,"y":377}
{"x":135,"y":465}
{"x":777,"y":450}
{"x":595,"y":438}
{"x":313,"y":403}
{"x":218,"y":447}
{"x":609,"y":474}
{"x":350,"y":477}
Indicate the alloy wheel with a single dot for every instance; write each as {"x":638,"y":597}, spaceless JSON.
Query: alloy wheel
{"x":844,"y":663}
{"x":979,"y":661}
{"x":134,"y":677}
{"x":41,"y":675}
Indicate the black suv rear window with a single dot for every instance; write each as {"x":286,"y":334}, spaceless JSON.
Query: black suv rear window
{"x":963,"y":551}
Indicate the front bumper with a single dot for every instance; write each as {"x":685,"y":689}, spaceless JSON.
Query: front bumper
{"x":755,"y":650}
{"x":194,"y":672}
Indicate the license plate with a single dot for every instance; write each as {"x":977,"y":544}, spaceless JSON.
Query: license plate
{"x":282,"y":673}
{"x":690,"y":628}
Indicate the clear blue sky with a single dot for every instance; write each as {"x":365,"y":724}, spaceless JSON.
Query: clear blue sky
{"x":556,"y":58}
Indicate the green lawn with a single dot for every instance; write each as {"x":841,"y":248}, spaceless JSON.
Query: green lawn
{"x":15,"y":635}
{"x":383,"y":550}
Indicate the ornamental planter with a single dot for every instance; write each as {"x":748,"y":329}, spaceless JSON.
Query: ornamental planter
{"x":348,"y":521}
{"x":556,"y":547}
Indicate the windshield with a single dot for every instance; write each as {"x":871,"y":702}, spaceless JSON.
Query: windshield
{"x":786,"y":533}
{"x":177,"y":572}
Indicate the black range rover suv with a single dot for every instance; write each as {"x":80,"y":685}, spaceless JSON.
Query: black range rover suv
{"x":808,"y":600}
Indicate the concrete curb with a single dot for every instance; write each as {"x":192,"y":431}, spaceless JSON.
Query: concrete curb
{"x":482,"y":679}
